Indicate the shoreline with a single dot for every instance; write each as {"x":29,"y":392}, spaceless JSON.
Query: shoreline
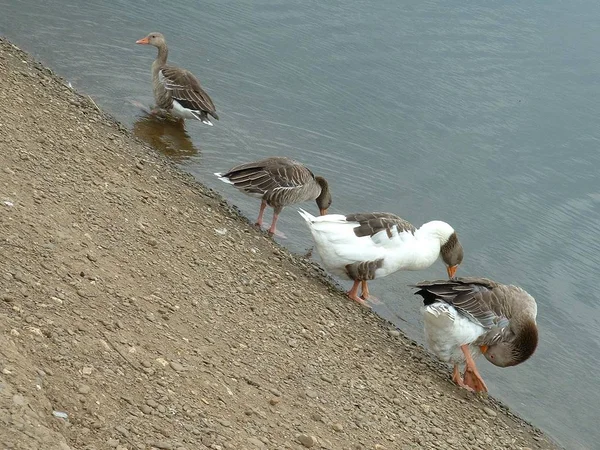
{"x":108,"y":253}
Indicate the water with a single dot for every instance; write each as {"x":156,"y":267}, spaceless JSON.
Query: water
{"x":483,"y":115}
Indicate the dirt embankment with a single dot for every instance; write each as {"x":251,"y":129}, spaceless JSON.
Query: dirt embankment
{"x":138,"y":311}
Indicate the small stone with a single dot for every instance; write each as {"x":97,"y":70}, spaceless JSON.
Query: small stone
{"x":84,"y":389}
{"x":146,"y":409}
{"x":394,"y":333}
{"x":153,"y":242}
{"x":225,"y":423}
{"x":146,"y":364}
{"x":311,"y":394}
{"x":256,"y":442}
{"x":274,"y":400}
{"x":122,"y":430}
{"x":307,"y":440}
{"x":177,"y":367}
{"x":275,"y":392}
{"x":437,"y":430}
{"x":91,"y":257}
{"x":112,"y":443}
{"x":489,"y":412}
{"x":327,"y":378}
{"x":19,"y":400}
{"x":151,"y":403}
{"x":337,"y":427}
{"x":87,"y":370}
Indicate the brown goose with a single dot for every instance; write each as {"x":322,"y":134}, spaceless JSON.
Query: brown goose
{"x":177,"y":90}
{"x":365,"y":246}
{"x":473,"y":315}
{"x":279,"y":182}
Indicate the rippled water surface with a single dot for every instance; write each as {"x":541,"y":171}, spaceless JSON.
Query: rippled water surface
{"x":483,"y":114}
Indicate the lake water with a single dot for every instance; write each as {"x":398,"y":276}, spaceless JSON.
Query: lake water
{"x":482,"y":114}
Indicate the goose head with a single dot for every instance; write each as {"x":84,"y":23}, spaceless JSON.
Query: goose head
{"x":324,"y":199}
{"x":515,"y":351}
{"x":155,"y":39}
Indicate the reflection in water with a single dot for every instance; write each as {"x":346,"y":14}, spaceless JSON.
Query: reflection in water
{"x":168,"y":137}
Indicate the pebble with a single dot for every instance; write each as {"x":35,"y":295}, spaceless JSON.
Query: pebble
{"x":112,"y":443}
{"x":87,"y":370}
{"x":19,"y":400}
{"x":151,"y":403}
{"x":337,"y":427}
{"x":274,"y":400}
{"x":161,"y":445}
{"x":122,"y":430}
{"x":394,"y":333}
{"x":84,"y":389}
{"x":256,"y":442}
{"x":436,"y":430}
{"x":177,"y":367}
{"x":489,"y":412}
{"x":146,"y":409}
{"x":307,"y":440}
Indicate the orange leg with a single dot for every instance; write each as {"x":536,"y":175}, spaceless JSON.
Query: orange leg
{"x":272,"y":229}
{"x":366,"y":295}
{"x":471,"y":376}
{"x":457,"y":378}
{"x":353,"y":293}
{"x":259,"y":221}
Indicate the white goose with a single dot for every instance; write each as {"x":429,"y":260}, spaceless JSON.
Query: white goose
{"x":464,"y":317}
{"x":366,"y":246}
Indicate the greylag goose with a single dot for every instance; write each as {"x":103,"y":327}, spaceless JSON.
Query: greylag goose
{"x":467,"y":316}
{"x":279,"y":182}
{"x":366,"y":246}
{"x":177,"y":90}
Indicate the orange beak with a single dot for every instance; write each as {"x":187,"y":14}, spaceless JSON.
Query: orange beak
{"x":142,"y":41}
{"x":322,"y":211}
{"x":483,"y":348}
{"x":451,"y":271}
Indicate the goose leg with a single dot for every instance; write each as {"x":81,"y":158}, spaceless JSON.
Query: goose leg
{"x":365,"y":295}
{"x":353,"y":293}
{"x":275,"y":217}
{"x":259,"y":221}
{"x":457,"y":378}
{"x":471,"y":376}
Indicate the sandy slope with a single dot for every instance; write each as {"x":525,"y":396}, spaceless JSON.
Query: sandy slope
{"x":138,"y":303}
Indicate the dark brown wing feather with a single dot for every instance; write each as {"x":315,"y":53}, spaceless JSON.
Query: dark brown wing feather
{"x":271,"y":174}
{"x":185,"y":88}
{"x":372,"y":223}
{"x":478,"y":298}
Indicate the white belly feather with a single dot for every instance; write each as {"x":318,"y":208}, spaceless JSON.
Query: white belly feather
{"x":446,"y":330}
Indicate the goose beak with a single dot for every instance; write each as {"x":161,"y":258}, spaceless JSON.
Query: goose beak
{"x":483,"y":348}
{"x":451,"y":271}
{"x":323,"y":211}
{"x":142,"y":41}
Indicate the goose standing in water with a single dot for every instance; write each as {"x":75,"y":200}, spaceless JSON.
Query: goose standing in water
{"x":467,"y":316}
{"x":177,"y":90}
{"x":365,"y":246}
{"x":279,"y":182}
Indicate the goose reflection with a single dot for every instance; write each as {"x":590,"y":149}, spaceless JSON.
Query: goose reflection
{"x":167,"y":136}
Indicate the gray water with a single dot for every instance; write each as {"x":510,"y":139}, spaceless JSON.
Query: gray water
{"x":482,"y":114}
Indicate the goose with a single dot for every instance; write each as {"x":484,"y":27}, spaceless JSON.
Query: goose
{"x":279,"y":182}
{"x":177,"y":90}
{"x":365,"y":246}
{"x":464,"y":317}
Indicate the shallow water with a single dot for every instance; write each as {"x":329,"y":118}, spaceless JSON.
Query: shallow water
{"x":485,"y":116}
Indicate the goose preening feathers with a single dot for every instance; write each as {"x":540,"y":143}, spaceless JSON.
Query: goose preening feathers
{"x":466,"y":316}
{"x":177,"y":90}
{"x":365,"y":246}
{"x":279,"y":182}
